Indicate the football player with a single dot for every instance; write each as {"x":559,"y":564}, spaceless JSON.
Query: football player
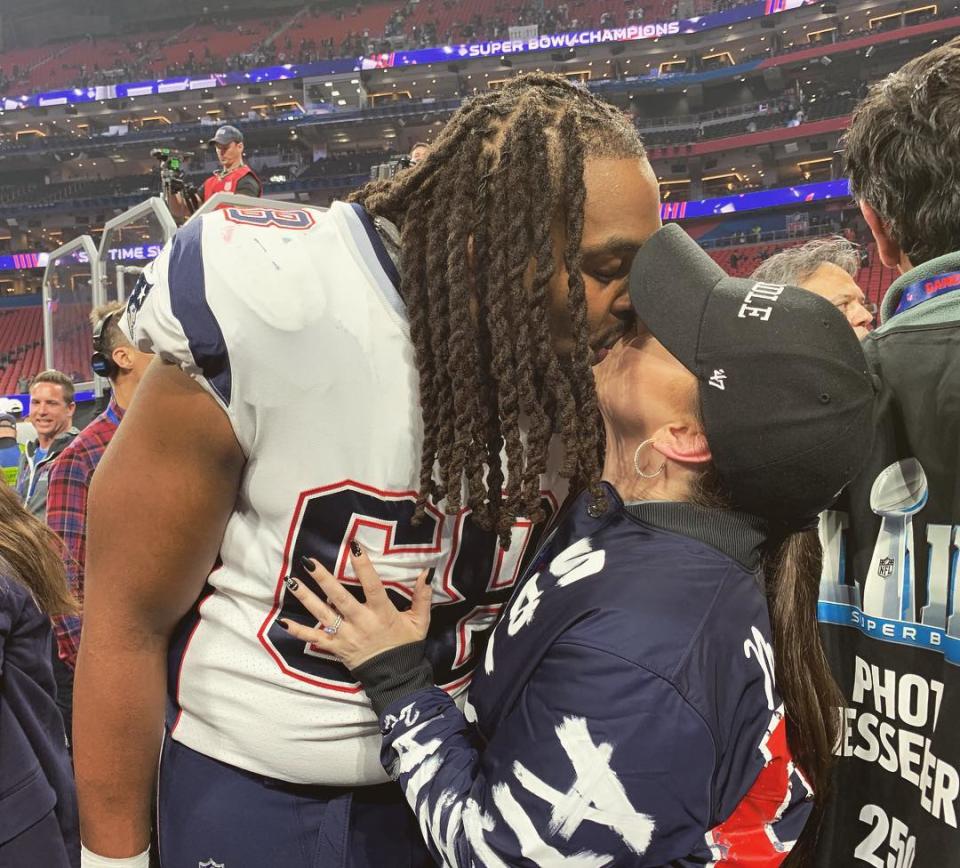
{"x":465,"y":301}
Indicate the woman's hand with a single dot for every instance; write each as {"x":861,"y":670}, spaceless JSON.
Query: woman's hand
{"x":354,"y":631}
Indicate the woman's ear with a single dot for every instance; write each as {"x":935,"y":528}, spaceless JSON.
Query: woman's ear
{"x":684,"y":443}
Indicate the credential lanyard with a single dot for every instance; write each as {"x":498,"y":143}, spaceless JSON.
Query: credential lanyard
{"x":929,"y":287}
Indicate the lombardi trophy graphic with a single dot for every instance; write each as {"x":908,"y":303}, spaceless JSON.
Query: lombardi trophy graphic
{"x":898,"y":492}
{"x":833,"y":585}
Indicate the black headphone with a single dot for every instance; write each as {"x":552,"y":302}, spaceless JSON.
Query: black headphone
{"x":101,"y":362}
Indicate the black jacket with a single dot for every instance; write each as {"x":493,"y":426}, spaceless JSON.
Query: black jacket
{"x":889,"y":598}
{"x":38,"y":806}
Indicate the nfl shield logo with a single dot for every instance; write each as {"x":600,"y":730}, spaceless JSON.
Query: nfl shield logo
{"x":885,"y":570}
{"x":211,"y":864}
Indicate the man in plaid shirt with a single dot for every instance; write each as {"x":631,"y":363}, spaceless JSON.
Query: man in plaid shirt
{"x":70,"y":478}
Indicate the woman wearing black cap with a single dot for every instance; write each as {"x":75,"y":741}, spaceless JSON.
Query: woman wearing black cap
{"x":655,"y":693}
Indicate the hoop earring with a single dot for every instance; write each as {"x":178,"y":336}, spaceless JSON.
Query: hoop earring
{"x":636,"y":463}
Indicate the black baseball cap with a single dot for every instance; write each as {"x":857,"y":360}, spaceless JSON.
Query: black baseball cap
{"x":8,"y":420}
{"x":786,"y":395}
{"x":225,"y":135}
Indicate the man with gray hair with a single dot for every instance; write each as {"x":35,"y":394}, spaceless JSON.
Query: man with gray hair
{"x":827,"y":267}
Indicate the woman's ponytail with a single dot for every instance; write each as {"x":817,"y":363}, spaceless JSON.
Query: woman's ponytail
{"x":810,"y":695}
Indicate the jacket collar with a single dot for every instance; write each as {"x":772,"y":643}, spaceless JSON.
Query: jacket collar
{"x":940,"y":265}
{"x":58,"y":444}
{"x":737,"y":534}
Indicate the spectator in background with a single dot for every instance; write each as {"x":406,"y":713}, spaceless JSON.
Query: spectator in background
{"x":418,"y":152}
{"x":70,"y":476}
{"x":51,"y":411}
{"x":826,"y":266}
{"x":25,"y":430}
{"x":9,"y":449}
{"x":38,"y":806}
{"x":234,"y":176}
{"x":901,"y":152}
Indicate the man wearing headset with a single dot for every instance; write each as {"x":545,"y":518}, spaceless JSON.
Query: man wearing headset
{"x":116,"y":360}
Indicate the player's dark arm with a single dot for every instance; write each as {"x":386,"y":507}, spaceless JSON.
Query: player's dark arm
{"x":159,"y":502}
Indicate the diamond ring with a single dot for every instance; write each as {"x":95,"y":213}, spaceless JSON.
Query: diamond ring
{"x":336,"y":626}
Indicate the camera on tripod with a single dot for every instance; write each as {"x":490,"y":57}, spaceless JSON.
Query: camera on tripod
{"x":172,"y":179}
{"x":385,"y":171}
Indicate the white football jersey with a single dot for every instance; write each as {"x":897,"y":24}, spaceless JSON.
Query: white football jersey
{"x":293,"y":321}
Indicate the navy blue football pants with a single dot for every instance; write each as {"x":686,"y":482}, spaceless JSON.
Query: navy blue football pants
{"x":210,"y":813}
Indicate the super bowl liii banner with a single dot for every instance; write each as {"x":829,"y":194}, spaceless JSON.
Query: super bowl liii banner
{"x":893,"y":640}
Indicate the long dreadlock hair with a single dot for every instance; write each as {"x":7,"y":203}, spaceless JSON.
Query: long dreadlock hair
{"x":478,"y":220}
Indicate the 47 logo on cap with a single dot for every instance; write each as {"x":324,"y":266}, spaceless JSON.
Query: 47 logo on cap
{"x":763,"y":292}
{"x":719,"y":375}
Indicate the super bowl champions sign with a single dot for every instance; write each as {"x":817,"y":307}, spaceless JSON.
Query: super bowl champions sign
{"x":570,"y":40}
{"x":893,"y":640}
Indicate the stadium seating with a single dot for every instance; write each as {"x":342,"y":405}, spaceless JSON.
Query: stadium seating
{"x":43,"y":196}
{"x":875,"y":278}
{"x":213,"y":47}
{"x":207,"y":41}
{"x":17,"y":65}
{"x":199,"y":47}
{"x":90,"y":60}
{"x":335,"y":28}
{"x":743,"y":261}
{"x":447,"y":20}
{"x":21,"y":346}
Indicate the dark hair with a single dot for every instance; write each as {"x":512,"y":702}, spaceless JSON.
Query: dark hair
{"x":31,"y":554}
{"x":477,"y":218}
{"x":791,"y":569}
{"x":57,"y":379}
{"x":902,"y":152}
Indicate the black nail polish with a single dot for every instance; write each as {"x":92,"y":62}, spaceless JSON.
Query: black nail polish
{"x":284,"y":624}
{"x":292,"y":583}
{"x":430,"y":577}
{"x":355,"y":548}
{"x":309,"y":563}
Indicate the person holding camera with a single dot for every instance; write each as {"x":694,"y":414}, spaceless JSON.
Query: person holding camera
{"x":235,"y":176}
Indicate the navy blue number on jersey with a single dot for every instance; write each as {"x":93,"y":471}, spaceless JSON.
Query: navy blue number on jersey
{"x":472,"y":578}
{"x":295,"y":218}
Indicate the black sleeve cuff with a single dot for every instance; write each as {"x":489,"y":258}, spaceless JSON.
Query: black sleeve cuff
{"x":395,"y":674}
